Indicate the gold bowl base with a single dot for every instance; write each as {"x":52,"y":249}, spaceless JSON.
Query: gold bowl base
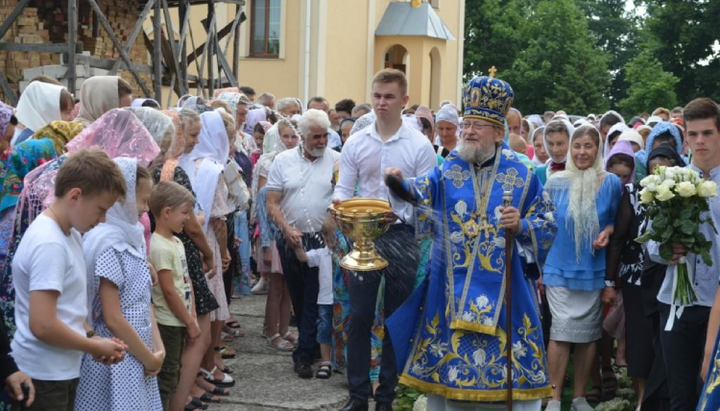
{"x":363,"y":261}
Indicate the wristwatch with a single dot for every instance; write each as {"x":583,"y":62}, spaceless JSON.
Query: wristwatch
{"x":609,"y":283}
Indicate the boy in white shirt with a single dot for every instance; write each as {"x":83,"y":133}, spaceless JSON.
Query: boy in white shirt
{"x":322,"y":258}
{"x":51,"y":282}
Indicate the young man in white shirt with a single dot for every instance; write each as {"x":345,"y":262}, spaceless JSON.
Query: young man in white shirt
{"x":299,"y":191}
{"x":366,"y":155}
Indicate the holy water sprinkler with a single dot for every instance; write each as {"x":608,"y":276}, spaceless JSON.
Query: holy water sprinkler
{"x":401,"y":189}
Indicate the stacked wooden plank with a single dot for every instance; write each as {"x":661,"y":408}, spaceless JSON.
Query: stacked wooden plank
{"x":47,"y":23}
{"x":28,"y":29}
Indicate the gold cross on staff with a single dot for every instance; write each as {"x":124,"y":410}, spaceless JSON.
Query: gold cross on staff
{"x":492,"y":71}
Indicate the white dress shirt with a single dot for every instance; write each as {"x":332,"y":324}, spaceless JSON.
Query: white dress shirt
{"x":306,"y":187}
{"x":365,"y":157}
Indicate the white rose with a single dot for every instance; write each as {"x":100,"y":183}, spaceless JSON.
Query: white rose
{"x":685,"y":189}
{"x":664,"y":193}
{"x":646,"y":196}
{"x":646,"y":181}
{"x":669,"y":183}
{"x":652,"y":187}
{"x":707,"y":189}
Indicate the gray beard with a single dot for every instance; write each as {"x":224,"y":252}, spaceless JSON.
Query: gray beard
{"x":316,"y":152}
{"x":475,"y":155}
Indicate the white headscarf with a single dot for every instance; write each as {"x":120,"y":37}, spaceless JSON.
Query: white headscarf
{"x":121,"y":230}
{"x":621,"y":127}
{"x":39,"y":105}
{"x":581,"y":187}
{"x":214,"y":149}
{"x":448,"y":113}
{"x":157,"y":123}
{"x":272,"y":146}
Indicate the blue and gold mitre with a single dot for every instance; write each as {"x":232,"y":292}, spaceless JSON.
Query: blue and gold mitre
{"x":487,"y":98}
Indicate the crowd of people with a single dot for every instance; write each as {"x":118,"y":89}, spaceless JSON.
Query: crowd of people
{"x":126,"y":231}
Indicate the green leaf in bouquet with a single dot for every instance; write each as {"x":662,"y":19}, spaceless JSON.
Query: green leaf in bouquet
{"x":706,"y":258}
{"x":687,"y":226}
{"x":666,"y":251}
{"x":667,"y":234}
{"x":647,"y":236}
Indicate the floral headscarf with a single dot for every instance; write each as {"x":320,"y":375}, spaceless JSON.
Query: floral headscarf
{"x":60,"y":132}
{"x":23,"y":158}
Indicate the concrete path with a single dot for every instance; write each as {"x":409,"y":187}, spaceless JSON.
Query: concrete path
{"x":265,"y":380}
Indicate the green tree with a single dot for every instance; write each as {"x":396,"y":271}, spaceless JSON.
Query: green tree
{"x":561,"y":67}
{"x":617,"y":32}
{"x":684,"y":36}
{"x":492,"y":34}
{"x":650,"y":86}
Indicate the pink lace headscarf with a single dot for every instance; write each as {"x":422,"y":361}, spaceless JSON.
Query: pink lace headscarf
{"x":118,"y":132}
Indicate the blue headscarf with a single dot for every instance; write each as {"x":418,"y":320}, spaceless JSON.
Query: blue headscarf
{"x":660,"y":128}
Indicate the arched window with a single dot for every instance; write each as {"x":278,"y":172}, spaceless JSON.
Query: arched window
{"x":265,"y":28}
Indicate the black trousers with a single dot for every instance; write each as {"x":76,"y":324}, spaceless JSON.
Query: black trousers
{"x":304,"y":285}
{"x":683,"y":349}
{"x":400,"y":248}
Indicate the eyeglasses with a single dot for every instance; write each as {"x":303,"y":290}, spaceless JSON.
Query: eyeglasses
{"x":476,"y":126}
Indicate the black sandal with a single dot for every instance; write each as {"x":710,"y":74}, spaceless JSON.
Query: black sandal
{"x":609,"y":383}
{"x":208,"y":397}
{"x":594,"y":395}
{"x":196,"y":404}
{"x":223,"y":392}
{"x":324,"y":372}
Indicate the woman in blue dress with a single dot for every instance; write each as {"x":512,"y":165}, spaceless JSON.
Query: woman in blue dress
{"x":586,"y":198}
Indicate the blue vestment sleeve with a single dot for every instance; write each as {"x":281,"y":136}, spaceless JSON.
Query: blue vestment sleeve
{"x":615,"y":187}
{"x":425,"y":189}
{"x":537,"y":220}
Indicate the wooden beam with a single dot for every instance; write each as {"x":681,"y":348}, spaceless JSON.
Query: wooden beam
{"x":212,"y":37}
{"x":9,"y":94}
{"x":71,"y":73}
{"x":38,"y":48}
{"x":133,"y":35}
{"x":175,"y":66}
{"x":221,"y":53}
{"x":118,"y":45}
{"x":197,"y":66}
{"x":10,"y":20}
{"x":236,"y":45}
{"x":157,"y":52}
{"x":208,"y":44}
{"x":184,"y":15}
{"x":221,"y":34}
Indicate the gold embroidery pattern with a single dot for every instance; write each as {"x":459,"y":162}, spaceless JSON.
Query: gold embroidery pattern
{"x":475,"y":361}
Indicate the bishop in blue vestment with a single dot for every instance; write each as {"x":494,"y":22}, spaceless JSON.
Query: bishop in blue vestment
{"x":450,"y":337}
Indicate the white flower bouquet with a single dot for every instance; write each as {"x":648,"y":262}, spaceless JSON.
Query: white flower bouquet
{"x":676,"y":200}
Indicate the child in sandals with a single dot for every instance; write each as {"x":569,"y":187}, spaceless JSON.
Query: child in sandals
{"x":322,"y":258}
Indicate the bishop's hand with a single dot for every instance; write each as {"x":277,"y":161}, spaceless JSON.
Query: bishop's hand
{"x":510,"y":219}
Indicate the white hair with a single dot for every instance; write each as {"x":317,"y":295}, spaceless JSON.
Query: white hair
{"x":286,"y":102}
{"x":313,"y":118}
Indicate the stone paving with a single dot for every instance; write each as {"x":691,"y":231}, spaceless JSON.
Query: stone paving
{"x":265,"y":380}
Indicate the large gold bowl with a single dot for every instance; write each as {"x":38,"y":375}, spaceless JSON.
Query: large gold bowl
{"x":363,"y":220}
